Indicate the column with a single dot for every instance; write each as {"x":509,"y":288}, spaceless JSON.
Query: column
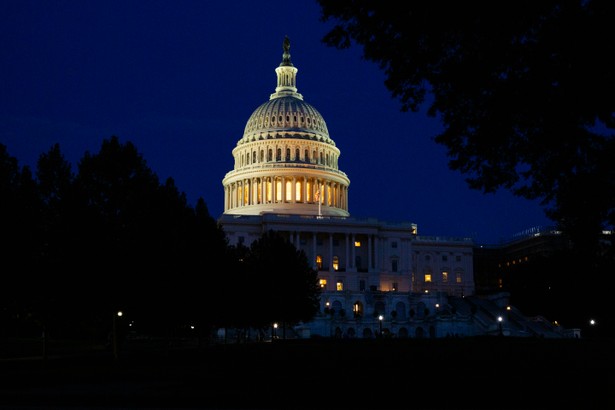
{"x":354,"y":258}
{"x":349,"y":263}
{"x":314,"y":250}
{"x":330,"y":252}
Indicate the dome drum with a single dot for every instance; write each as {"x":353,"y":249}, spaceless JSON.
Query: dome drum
{"x":289,"y":152}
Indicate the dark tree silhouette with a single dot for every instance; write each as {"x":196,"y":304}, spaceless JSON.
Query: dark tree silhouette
{"x":524,"y":91}
{"x":78,"y":247}
{"x":280,"y":284}
{"x":19,"y":245}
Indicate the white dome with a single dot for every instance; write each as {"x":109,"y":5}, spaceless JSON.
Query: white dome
{"x":285,"y":162}
{"x":283,"y":117}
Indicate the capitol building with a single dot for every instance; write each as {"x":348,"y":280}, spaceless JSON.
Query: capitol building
{"x":377,"y":278}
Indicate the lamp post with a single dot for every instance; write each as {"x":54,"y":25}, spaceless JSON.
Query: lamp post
{"x":114,"y":331}
{"x":273,"y":331}
{"x":500,"y":319}
{"x":380,"y":317}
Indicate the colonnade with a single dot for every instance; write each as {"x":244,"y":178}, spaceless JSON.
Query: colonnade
{"x":348,"y":262}
{"x":285,"y":189}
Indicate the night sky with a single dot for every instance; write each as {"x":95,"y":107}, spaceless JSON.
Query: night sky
{"x":179,"y":79}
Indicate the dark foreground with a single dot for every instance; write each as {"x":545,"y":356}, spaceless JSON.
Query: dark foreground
{"x":469,"y":373}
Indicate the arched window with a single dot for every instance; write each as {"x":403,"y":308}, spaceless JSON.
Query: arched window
{"x":298,"y":191}
{"x":379,"y":308}
{"x":400,"y":308}
{"x":357,"y":309}
{"x":278,"y":190}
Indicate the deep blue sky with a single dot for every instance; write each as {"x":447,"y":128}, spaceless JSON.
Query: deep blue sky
{"x":179,"y":79}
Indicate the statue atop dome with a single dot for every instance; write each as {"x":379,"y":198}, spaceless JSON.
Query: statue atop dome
{"x":286,"y":55}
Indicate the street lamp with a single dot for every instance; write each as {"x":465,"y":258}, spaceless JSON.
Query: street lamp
{"x":273,"y":333}
{"x":380,"y":317}
{"x":500,"y":319}
{"x":114,"y":335}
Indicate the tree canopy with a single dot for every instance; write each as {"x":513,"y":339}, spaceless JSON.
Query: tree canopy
{"x":278,"y":284}
{"x":79,"y":246}
{"x":110,"y":236}
{"x":523,"y":89}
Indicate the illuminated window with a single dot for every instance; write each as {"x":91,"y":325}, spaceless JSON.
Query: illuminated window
{"x":444,"y":276}
{"x":428,"y":277}
{"x":269,"y":190}
{"x":298,"y":191}
{"x":278,"y":189}
{"x":459,"y":277}
{"x":323,"y":283}
{"x":336,"y":263}
{"x":357,"y":244}
{"x":357,"y":309}
{"x":339,"y":286}
{"x":319,"y":261}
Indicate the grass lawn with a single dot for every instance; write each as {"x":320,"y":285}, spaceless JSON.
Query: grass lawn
{"x":464,"y":373}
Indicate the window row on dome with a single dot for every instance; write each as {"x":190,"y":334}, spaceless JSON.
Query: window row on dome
{"x":284,"y":120}
{"x":288,"y":154}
